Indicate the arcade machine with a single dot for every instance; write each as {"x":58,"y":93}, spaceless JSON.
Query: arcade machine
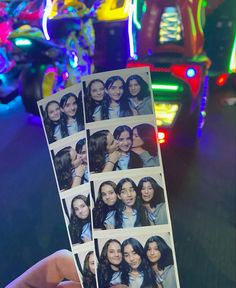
{"x":111,"y":34}
{"x":167,"y":36}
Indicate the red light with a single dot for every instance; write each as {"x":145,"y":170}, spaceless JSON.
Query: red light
{"x":221,"y":79}
{"x":134,"y":64}
{"x":194,"y":82}
{"x":161,"y":137}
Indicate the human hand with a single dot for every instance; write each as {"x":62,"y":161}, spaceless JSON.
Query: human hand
{"x":50,"y":273}
{"x":114,"y":156}
{"x":80,"y":170}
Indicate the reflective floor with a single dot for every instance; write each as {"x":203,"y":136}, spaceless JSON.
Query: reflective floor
{"x":200,"y":184}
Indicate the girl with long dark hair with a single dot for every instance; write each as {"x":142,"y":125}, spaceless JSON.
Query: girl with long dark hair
{"x":153,"y":201}
{"x":118,"y":105}
{"x":95,"y":102}
{"x":81,"y":150}
{"x":160,"y":257}
{"x":136,"y":271}
{"x":89,"y":280}
{"x":126,"y":214}
{"x":103,"y":152}
{"x":72,"y":110}
{"x":128,"y":159}
{"x":110,"y":259}
{"x":139,"y":95}
{"x":105,"y":203}
{"x":145,"y":144}
{"x":69,"y":169}
{"x":55,"y":129}
{"x":80,"y":220}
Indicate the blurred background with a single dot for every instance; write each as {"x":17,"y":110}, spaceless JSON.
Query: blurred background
{"x":189,"y":47}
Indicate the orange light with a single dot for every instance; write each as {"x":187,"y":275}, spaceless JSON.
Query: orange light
{"x":221,"y":79}
{"x":161,"y":137}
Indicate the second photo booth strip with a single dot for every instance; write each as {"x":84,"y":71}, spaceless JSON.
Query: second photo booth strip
{"x":102,"y":139}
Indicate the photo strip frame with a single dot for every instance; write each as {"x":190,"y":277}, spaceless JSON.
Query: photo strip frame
{"x":102,"y":139}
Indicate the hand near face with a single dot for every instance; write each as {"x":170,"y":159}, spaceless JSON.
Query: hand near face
{"x":50,"y":272}
{"x":114,"y":156}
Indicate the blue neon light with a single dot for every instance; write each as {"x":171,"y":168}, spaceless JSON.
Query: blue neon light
{"x":191,"y":72}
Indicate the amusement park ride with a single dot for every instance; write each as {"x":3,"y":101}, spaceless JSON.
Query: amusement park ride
{"x":56,"y":47}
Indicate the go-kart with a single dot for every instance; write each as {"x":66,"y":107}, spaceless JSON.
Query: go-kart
{"x":167,"y":36}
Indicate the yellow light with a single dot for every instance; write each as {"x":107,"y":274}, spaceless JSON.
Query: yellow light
{"x":166,"y":113}
{"x":107,"y":11}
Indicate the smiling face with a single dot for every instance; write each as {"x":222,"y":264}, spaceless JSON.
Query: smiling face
{"x":54,"y":111}
{"x":124,"y":142}
{"x":111,"y":143}
{"x":114,"y":255}
{"x":147,"y":192}
{"x":134,"y":88}
{"x":91,"y":263}
{"x":81,"y":209}
{"x":108,"y":195}
{"x":153,"y":253}
{"x":131,"y":257}
{"x":97,"y":91}
{"x":75,"y":159}
{"x":70,"y":107}
{"x":128,"y":194}
{"x":115,"y":91}
{"x":137,"y":141}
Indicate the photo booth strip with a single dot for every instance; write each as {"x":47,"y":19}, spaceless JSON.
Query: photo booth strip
{"x":109,"y":105}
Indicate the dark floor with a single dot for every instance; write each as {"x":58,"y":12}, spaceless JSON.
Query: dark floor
{"x":200,"y":184}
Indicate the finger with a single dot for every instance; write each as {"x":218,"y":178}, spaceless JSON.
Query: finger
{"x":49,"y":272}
{"x":69,"y":284}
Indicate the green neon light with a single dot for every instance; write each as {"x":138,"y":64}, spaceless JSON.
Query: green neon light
{"x":232,"y":63}
{"x":136,"y":22}
{"x":165,"y":87}
{"x":22,"y":42}
{"x":205,"y":4}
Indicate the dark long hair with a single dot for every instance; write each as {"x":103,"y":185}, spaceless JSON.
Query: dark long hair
{"x":64,"y":168}
{"x":125,"y":109}
{"x":147,"y":133}
{"x":144,"y":92}
{"x":89,"y":280}
{"x":51,"y":125}
{"x":101,"y":209}
{"x":166,"y":258}
{"x":121,"y":206}
{"x":144,"y":267}
{"x":105,"y":271}
{"x":79,"y":116}
{"x":76,"y":224}
{"x":158,"y":196}
{"x":79,"y":145}
{"x":91,"y":104}
{"x":134,"y":161}
{"x":97,"y":150}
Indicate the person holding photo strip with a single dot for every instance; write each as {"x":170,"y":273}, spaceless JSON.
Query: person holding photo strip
{"x":80,"y":220}
{"x":153,"y":201}
{"x":160,"y":257}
